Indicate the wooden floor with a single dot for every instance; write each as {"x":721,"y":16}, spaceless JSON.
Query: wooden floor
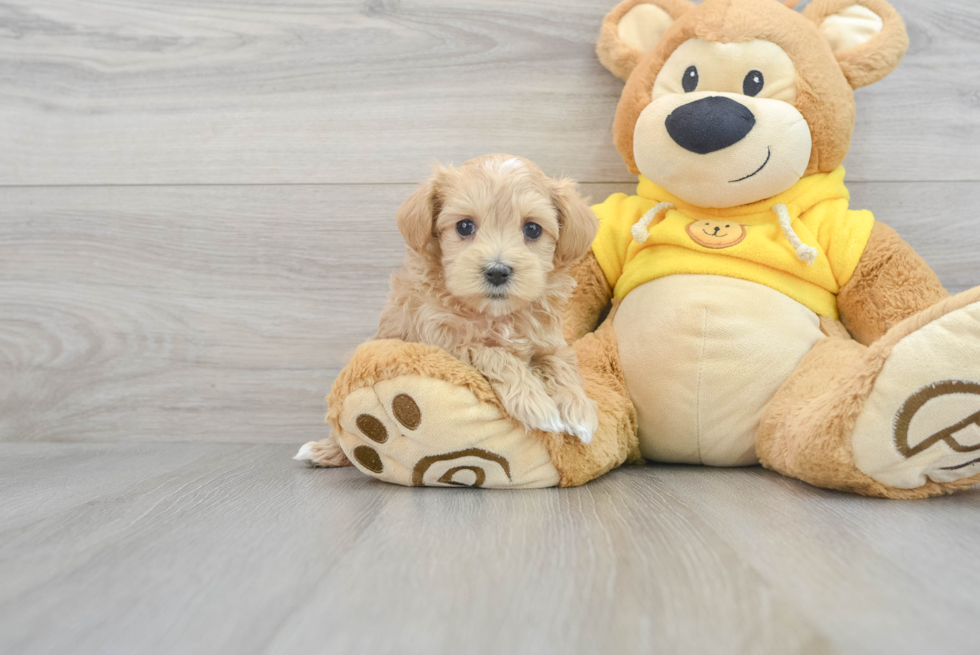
{"x":230,"y":548}
{"x":196,"y":228}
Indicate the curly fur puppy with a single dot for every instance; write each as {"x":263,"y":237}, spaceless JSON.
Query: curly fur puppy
{"x":487,"y":278}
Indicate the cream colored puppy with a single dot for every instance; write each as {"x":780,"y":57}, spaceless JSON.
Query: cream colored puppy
{"x":486,"y":278}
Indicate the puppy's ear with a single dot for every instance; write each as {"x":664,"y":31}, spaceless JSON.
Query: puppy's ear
{"x":577,"y":223}
{"x":868,"y":37}
{"x":416,"y":217}
{"x":634,"y":28}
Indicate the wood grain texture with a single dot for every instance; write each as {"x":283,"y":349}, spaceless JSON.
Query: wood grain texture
{"x":213,"y":549}
{"x":270,"y":144}
{"x":186,"y":313}
{"x":353,"y":91}
{"x":223,"y":313}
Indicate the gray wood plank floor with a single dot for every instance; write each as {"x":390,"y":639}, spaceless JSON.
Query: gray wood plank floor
{"x":196,"y":228}
{"x":211,"y":548}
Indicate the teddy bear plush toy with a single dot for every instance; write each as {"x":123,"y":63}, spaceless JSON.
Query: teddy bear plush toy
{"x":735,"y":310}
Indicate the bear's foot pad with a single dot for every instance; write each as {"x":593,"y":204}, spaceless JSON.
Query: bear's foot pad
{"x":419,"y":431}
{"x":922,"y":420}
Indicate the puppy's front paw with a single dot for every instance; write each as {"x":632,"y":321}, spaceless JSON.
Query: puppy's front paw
{"x":579,"y":418}
{"x":542,"y":418}
{"x":535,"y":410}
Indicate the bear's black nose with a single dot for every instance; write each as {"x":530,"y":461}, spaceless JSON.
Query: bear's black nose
{"x":497,"y":274}
{"x":710,"y":124}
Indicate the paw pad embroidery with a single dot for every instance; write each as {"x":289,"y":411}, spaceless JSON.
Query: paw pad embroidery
{"x":423,"y":465}
{"x":369,"y":458}
{"x":962,"y":435}
{"x":406,"y":411}
{"x":468,"y":467}
{"x":372,"y":428}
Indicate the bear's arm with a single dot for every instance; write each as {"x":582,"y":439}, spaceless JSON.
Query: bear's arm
{"x":891,"y":282}
{"x":589,"y":300}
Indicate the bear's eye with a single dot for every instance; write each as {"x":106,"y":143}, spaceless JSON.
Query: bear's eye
{"x":532,"y":231}
{"x":466,"y":228}
{"x":690,"y":81}
{"x":752,"y":86}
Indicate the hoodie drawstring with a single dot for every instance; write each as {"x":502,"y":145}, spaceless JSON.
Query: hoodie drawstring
{"x":804,"y":252}
{"x":641,"y":229}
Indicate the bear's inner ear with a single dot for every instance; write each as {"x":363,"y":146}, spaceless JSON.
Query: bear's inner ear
{"x":642,"y":27}
{"x":851,"y":27}
{"x":634,"y":28}
{"x":868,"y":37}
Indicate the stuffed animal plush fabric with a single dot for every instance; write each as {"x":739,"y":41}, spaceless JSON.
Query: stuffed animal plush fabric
{"x":746,"y":313}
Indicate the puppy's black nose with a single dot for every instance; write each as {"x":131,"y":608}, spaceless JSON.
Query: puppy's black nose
{"x":710,"y":124}
{"x":497,"y":274}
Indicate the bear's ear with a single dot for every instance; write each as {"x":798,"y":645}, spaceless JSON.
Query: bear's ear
{"x":634,"y":28}
{"x":868,"y":37}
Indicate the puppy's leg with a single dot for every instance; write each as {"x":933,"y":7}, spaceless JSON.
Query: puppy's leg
{"x":563,"y":383}
{"x":521,"y":393}
{"x":325,"y":452}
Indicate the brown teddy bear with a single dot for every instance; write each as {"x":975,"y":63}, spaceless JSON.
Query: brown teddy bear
{"x":745,"y":312}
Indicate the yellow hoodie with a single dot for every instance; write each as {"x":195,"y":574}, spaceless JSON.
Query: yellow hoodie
{"x":745,"y":242}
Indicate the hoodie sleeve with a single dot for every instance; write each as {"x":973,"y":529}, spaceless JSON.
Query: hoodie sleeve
{"x":616,"y":217}
{"x":843,"y":235}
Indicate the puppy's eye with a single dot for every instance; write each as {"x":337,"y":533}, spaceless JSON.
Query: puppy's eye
{"x":532,"y":231}
{"x":691,"y":78}
{"x":466,"y":228}
{"x":753,"y":83}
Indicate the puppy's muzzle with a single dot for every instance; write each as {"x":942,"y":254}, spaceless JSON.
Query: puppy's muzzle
{"x":497,"y":274}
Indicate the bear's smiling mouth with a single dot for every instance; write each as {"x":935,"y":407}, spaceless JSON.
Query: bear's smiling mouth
{"x":715,"y":234}
{"x":758,"y":170}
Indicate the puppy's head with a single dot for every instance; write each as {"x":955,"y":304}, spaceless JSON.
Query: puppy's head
{"x":499,"y":230}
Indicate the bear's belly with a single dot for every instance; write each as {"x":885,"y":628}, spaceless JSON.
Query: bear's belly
{"x":703,"y":355}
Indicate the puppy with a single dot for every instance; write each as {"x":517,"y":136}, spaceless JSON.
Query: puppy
{"x":487,"y":277}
